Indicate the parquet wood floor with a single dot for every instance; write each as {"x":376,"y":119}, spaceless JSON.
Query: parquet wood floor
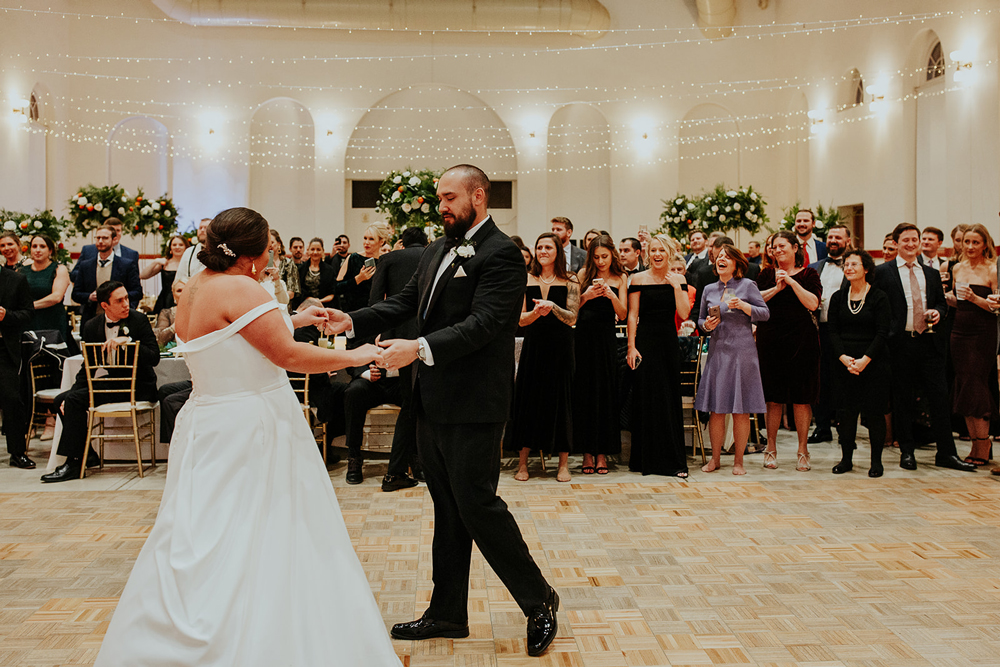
{"x":776,"y":568}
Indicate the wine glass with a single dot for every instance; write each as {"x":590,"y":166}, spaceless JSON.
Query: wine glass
{"x":728,"y":295}
{"x":928,"y":318}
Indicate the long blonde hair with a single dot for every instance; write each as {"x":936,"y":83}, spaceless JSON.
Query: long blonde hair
{"x":380,"y":230}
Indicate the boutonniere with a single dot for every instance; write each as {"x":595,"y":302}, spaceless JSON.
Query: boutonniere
{"x":123,"y":331}
{"x":466,"y":249}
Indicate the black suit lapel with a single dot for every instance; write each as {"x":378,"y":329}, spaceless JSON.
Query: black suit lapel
{"x":488,"y":226}
{"x":427,"y":281}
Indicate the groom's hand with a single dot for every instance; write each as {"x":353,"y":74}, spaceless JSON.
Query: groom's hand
{"x":397,"y":353}
{"x":337,"y":321}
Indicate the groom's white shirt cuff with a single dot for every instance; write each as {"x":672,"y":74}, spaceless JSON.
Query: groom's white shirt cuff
{"x":429,"y":356}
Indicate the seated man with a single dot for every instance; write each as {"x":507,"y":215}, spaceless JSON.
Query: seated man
{"x":117,"y":325}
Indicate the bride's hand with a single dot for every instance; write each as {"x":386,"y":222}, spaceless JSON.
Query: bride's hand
{"x":368,"y":354}
{"x":311,"y":316}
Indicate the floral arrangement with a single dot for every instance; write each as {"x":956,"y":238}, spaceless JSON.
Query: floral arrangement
{"x":409,"y":199}
{"x":26,"y":225}
{"x":92,"y":206}
{"x":824,"y":217}
{"x":680,"y":217}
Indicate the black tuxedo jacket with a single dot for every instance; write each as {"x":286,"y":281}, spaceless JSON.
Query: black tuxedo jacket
{"x":140,"y":331}
{"x":393,"y":273}
{"x":15,"y":298}
{"x":123,"y":270}
{"x":469,"y":323}
{"x":887,"y":279}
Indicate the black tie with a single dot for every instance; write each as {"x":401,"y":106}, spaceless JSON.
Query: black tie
{"x":104,"y":262}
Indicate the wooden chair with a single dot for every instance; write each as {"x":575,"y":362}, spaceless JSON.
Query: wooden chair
{"x":114,"y":372}
{"x":45,"y":380}
{"x":375,"y":429}
{"x":690,"y":375}
{"x":300,"y":385}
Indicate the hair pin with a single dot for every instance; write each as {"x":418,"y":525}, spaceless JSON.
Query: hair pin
{"x":224,"y":248}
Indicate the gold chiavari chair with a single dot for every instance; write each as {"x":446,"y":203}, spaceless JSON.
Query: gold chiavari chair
{"x":690,"y":375}
{"x":113,"y":373}
{"x":300,"y":385}
{"x":45,"y":378}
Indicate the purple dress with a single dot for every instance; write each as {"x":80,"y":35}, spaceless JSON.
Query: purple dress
{"x":730,"y":380}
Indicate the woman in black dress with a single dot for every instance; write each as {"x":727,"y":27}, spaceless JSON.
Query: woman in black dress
{"x":166,"y":266}
{"x":317,"y":279}
{"x":354,"y":278}
{"x":859,"y":321}
{"x":655,"y":297}
{"x":603,"y":301}
{"x":542,"y":417}
{"x":788,"y":343}
{"x":974,"y":340}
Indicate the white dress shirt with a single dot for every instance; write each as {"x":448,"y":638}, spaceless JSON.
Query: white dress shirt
{"x":190,"y":264}
{"x":831,"y":278}
{"x":110,"y":330}
{"x":568,"y":254}
{"x":904,"y":277}
{"x":932,"y":262}
{"x":698,"y":255}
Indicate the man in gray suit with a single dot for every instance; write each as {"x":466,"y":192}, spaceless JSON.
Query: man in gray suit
{"x":575,"y":257}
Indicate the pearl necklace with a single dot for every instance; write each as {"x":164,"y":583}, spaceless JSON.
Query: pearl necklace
{"x":547,"y":282}
{"x":850,"y":307}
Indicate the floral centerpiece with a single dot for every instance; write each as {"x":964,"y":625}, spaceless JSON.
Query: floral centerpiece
{"x":409,"y":199}
{"x":92,"y":206}
{"x":26,"y":225}
{"x":680,"y":218}
{"x":725,"y":210}
{"x":824,"y":219}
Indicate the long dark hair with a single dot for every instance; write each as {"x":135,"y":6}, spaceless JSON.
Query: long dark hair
{"x":800,"y":255}
{"x":166,"y":252}
{"x":590,"y":268}
{"x":559,"y":267}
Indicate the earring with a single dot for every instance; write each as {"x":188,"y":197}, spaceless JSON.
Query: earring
{"x":253,"y":267}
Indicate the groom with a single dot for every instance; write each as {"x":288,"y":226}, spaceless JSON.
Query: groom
{"x":466,"y":294}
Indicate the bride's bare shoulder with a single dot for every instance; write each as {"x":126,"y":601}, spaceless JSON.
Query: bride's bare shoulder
{"x":213,"y":301}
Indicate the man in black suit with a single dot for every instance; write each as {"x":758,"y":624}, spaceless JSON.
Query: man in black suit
{"x":916,"y":350}
{"x":630,"y":251}
{"x":575,"y":257}
{"x":805,"y":223}
{"x":393,"y":273}
{"x":100,"y":269}
{"x":16,"y":310}
{"x":117,"y":325}
{"x":341,"y":251}
{"x":90,"y":251}
{"x":466,"y":294}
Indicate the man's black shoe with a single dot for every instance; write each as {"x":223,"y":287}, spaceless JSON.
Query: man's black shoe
{"x":543,"y":625}
{"x":907,"y":461}
{"x":93,"y":460}
{"x":820,"y":436}
{"x":426,"y":628}
{"x":21,"y":461}
{"x":952,"y":461}
{"x":396,"y":482}
{"x":64,"y":473}
{"x":354,"y":474}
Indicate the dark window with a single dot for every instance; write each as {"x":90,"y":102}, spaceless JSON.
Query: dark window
{"x":33,"y":108}
{"x":935,"y":63}
{"x":364,"y":194}
{"x":501,"y":194}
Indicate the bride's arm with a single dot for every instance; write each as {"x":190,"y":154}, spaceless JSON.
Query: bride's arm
{"x":270,"y":336}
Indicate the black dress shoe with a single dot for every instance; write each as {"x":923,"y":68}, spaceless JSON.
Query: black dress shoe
{"x":21,"y":461}
{"x":842,"y":467}
{"x":952,"y":461}
{"x":907,"y":461}
{"x":543,"y":625}
{"x":426,"y":628}
{"x":820,"y":436}
{"x":64,"y":473}
{"x":396,"y":482}
{"x":876,"y":471}
{"x":93,"y":460}
{"x":354,"y":474}
{"x":418,"y":473}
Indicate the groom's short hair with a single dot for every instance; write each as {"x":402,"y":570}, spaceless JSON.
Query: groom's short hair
{"x":473,"y":177}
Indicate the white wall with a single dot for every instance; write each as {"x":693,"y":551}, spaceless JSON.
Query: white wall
{"x":514,"y":86}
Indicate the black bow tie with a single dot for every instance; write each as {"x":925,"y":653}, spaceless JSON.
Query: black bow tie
{"x":451,"y":243}
{"x":104,"y":262}
{"x":115,"y":323}
{"x":836,"y":262}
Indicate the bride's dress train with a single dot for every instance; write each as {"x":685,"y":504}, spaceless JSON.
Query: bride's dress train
{"x":249,"y":563}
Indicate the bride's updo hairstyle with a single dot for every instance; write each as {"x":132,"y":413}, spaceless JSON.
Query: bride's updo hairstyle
{"x":234,"y":233}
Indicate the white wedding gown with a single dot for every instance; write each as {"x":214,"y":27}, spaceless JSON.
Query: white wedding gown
{"x":249,"y":563}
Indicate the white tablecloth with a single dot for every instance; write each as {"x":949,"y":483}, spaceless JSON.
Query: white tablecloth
{"x":169,"y":370}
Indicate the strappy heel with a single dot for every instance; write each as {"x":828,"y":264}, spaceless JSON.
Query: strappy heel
{"x":803,"y":463}
{"x":770,"y":459}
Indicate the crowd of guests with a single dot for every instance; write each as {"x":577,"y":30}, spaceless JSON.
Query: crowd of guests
{"x":796,"y":332}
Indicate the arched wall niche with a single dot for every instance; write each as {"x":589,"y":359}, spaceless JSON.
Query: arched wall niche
{"x":709,"y":149}
{"x":579,"y":168}
{"x":428,"y":126}
{"x":138,"y":155}
{"x":925,"y":123}
{"x":282,"y":154}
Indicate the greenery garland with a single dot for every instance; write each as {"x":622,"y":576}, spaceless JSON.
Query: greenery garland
{"x":26,"y":225}
{"x":409,"y":198}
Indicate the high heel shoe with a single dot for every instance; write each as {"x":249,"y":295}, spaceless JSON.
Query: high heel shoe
{"x":803,"y":464}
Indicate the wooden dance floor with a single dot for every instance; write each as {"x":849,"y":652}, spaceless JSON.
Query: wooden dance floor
{"x":775,"y":568}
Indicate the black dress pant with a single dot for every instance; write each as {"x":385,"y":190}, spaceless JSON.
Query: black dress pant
{"x":461,"y":464}
{"x":15,"y":418}
{"x":404,"y":437}
{"x":353,"y":401}
{"x":72,"y":406}
{"x":172,"y":397}
{"x":918,"y":364}
{"x":824,"y":412}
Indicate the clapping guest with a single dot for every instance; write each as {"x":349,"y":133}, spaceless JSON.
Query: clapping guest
{"x":858,"y":318}
{"x":974,"y":340}
{"x":167,"y":267}
{"x":287,"y":270}
{"x":164,"y":329}
{"x":10,"y":248}
{"x":353,"y":286}
{"x":316,"y":278}
{"x":788,"y":343}
{"x":48,"y":282}
{"x":655,"y":297}
{"x":730,"y":383}
{"x":542,"y":410}
{"x":603,"y":301}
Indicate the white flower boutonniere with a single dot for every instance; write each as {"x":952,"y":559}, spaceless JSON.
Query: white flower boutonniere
{"x":466,"y":249}
{"x":123,"y":331}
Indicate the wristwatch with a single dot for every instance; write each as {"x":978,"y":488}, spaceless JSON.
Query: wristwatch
{"x":421,"y":350}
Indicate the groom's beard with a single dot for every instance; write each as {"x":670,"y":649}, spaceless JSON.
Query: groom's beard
{"x":457,"y":226}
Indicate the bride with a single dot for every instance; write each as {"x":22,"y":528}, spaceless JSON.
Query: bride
{"x":249,"y":562}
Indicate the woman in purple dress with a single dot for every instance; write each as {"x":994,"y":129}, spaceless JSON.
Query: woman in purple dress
{"x":730,"y":383}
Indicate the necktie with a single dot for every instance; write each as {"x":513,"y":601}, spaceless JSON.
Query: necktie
{"x":805,"y":251}
{"x":104,"y":262}
{"x":919,"y":325}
